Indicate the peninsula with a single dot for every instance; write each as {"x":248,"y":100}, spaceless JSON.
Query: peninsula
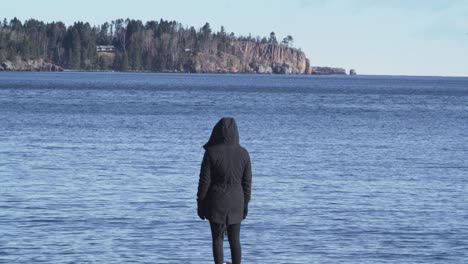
{"x":154,"y":46}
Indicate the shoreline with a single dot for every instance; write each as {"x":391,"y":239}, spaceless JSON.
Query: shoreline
{"x":246,"y":73}
{"x":40,"y":65}
{"x":170,"y":72}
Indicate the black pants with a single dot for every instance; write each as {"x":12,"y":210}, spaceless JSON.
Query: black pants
{"x":217,"y":234}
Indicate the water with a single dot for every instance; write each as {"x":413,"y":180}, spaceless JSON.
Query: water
{"x":103,"y":167}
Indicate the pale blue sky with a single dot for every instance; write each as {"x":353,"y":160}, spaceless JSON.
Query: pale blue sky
{"x":401,"y":37}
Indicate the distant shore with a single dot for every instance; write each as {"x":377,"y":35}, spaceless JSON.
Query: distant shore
{"x":42,"y":66}
{"x":131,"y":45}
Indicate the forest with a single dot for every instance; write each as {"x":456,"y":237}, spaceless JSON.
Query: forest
{"x":120,"y":45}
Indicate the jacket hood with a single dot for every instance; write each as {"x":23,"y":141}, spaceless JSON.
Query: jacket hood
{"x":225,"y":131}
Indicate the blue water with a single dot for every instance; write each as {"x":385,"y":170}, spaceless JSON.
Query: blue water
{"x":103,"y":167}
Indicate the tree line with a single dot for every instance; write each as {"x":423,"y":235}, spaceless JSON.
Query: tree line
{"x":137,"y":46}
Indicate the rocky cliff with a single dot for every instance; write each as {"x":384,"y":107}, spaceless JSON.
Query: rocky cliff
{"x":250,"y":57}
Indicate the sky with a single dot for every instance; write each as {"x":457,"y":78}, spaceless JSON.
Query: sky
{"x":377,"y":37}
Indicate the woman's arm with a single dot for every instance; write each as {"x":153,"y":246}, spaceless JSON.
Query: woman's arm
{"x":247,"y":181}
{"x":205,"y":178}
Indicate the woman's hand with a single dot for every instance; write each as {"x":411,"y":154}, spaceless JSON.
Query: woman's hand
{"x":200,"y":210}
{"x":200,"y":214}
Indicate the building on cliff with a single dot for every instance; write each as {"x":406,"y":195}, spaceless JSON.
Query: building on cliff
{"x":105,"y":48}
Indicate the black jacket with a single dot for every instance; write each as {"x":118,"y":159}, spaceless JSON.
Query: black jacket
{"x":225,"y":176}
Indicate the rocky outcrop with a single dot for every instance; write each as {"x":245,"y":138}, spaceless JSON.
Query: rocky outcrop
{"x":29,"y":65}
{"x":281,"y":59}
{"x":251,"y":57}
{"x":327,"y":70}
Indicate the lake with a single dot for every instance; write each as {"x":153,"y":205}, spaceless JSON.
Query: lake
{"x":103,"y":167}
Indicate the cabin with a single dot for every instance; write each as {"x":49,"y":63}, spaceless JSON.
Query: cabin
{"x":104,"y":48}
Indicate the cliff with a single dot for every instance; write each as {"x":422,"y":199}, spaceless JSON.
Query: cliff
{"x":251,"y":57}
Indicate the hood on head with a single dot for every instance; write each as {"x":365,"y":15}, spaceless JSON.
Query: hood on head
{"x":225,"y":131}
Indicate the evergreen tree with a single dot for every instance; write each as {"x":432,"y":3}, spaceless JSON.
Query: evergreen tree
{"x":75,"y":61}
{"x":272,"y":39}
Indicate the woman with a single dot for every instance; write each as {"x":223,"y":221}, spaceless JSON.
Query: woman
{"x":224,"y":187}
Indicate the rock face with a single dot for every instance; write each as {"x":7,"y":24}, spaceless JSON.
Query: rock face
{"x":251,"y":57}
{"x":352,"y":72}
{"x":29,"y":65}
